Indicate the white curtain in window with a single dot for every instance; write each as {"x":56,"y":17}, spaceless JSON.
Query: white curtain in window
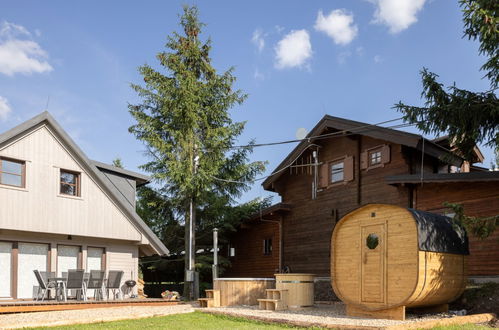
{"x":5,"y":269}
{"x":31,"y":256}
{"x":94,"y":258}
{"x":67,"y":258}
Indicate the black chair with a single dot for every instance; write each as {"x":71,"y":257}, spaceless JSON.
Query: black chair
{"x":44,"y":285}
{"x":114,"y":283}
{"x":95,"y":282}
{"x":75,"y":282}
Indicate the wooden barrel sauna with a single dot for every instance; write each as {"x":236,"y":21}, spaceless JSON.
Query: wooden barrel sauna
{"x":242,"y":290}
{"x":300,"y":288}
{"x":385,"y":258}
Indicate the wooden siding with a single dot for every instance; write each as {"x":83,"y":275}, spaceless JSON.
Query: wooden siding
{"x":40,"y":208}
{"x":308,"y":227}
{"x":249,"y":260}
{"x":478,"y":199}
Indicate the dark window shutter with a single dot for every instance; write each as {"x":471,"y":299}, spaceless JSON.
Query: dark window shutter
{"x":324,"y":175}
{"x":363,"y":160}
{"x":385,"y":154}
{"x":348,"y":168}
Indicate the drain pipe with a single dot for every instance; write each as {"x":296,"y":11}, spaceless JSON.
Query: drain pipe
{"x":215,"y":254}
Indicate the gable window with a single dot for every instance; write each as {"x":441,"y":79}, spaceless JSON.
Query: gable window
{"x":69,"y":183}
{"x":375,"y":157}
{"x":337,"y":174}
{"x":12,"y":172}
{"x":267,"y":246}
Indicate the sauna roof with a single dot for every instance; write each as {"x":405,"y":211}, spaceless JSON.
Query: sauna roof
{"x":387,"y":134}
{"x":438,"y":233}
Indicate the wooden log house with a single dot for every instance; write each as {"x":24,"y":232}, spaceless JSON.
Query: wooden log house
{"x":358,"y":164}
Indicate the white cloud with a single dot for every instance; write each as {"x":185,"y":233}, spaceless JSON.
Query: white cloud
{"x":398,"y":15}
{"x":4,"y":108}
{"x":258,"y":75}
{"x":258,"y":39}
{"x":20,"y":54}
{"x":378,"y":59}
{"x":293,"y":50}
{"x":338,"y":25}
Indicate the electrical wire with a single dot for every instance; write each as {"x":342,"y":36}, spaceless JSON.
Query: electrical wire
{"x":322,"y":135}
{"x":317,"y":137}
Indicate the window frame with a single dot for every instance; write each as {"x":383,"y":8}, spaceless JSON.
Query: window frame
{"x":371,"y":151}
{"x":330,"y":171}
{"x":77,"y":184}
{"x":22,"y":175}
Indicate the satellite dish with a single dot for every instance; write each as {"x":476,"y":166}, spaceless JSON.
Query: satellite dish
{"x":301,"y":133}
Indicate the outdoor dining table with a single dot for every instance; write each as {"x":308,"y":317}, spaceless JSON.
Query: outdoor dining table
{"x":60,"y":286}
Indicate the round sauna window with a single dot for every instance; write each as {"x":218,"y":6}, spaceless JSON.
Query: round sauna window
{"x":372,"y":241}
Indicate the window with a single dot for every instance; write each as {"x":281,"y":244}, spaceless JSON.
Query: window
{"x":12,"y":172}
{"x":375,"y":157}
{"x":267,"y":246}
{"x":70,"y":183}
{"x":337,"y":171}
{"x":372,"y":241}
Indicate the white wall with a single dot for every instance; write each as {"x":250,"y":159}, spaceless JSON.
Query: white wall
{"x":40,"y":208}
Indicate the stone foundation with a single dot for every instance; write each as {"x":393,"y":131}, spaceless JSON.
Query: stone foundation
{"x":323,"y":291}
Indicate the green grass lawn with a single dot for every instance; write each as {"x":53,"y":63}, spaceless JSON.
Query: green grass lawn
{"x":195,"y":320}
{"x":198,"y":320}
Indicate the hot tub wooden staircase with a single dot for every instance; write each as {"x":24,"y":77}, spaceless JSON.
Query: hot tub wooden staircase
{"x":212,"y":299}
{"x":276,"y":300}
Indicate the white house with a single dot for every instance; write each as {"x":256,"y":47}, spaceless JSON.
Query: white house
{"x":60,"y":210}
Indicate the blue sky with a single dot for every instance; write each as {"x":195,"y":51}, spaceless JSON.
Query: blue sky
{"x":297,"y":60}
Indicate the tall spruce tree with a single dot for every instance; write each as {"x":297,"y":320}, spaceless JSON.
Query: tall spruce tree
{"x":467,"y":117}
{"x":184,"y":121}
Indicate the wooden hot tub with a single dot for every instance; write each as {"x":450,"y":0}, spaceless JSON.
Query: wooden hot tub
{"x":242,"y":290}
{"x":300,"y":288}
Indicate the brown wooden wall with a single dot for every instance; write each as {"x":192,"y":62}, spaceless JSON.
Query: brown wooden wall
{"x":478,"y":199}
{"x":307,"y":229}
{"x":249,"y":260}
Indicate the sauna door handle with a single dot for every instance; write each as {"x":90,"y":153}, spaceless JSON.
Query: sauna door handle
{"x":365,"y":257}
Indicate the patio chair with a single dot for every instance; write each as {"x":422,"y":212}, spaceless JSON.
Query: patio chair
{"x":114,"y":283}
{"x":75,"y":282}
{"x":43,"y":285}
{"x":95,"y":282}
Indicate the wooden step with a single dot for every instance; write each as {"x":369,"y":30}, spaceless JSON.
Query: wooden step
{"x":205,"y":302}
{"x":277,"y":294}
{"x":215,"y":294}
{"x":272,"y":304}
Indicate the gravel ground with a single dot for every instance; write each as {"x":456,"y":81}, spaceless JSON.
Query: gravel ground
{"x":38,"y":319}
{"x":320,"y":314}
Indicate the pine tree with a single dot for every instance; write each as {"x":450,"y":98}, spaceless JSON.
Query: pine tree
{"x":183,"y":119}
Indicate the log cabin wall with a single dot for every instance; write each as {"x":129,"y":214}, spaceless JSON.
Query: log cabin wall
{"x":248,"y":245}
{"x":479,"y":199}
{"x":308,"y":227}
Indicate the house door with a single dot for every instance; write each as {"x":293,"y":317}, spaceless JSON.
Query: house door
{"x":31,"y":256}
{"x":5,"y":270}
{"x":373,"y":263}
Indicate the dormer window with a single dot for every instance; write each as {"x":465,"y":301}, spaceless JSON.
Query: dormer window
{"x":12,"y":172}
{"x":69,"y":183}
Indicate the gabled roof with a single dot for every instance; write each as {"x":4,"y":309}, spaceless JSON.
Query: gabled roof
{"x":387,"y":134}
{"x":446,"y":142}
{"x":46,"y":119}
